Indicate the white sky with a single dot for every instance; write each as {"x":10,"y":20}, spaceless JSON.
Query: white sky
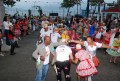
{"x":47,"y":5}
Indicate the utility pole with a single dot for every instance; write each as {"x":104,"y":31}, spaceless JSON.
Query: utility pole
{"x":87,"y":8}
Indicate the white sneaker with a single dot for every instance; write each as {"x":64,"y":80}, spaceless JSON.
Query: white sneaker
{"x":19,"y":38}
{"x":1,"y":54}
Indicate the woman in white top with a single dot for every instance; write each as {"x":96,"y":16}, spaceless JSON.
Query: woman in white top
{"x":91,"y":47}
{"x":7,"y":24}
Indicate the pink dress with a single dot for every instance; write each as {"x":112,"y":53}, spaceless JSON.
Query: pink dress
{"x":86,"y":67}
{"x":17,"y":30}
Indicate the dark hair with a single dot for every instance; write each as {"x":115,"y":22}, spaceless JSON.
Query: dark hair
{"x":90,"y":37}
{"x":5,"y":18}
{"x":108,"y":30}
{"x":117,"y":35}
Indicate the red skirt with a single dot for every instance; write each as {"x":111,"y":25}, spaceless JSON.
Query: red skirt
{"x":106,"y":42}
{"x":25,"y":28}
{"x":96,"y":61}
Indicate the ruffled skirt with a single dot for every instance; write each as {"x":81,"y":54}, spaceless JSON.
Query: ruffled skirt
{"x":86,"y":68}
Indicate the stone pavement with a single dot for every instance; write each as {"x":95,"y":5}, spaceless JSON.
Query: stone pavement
{"x":21,"y":67}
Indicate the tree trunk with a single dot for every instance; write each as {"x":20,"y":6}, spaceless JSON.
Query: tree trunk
{"x":99,"y":10}
{"x":68,"y":11}
{"x":94,"y":10}
{"x":87,"y":8}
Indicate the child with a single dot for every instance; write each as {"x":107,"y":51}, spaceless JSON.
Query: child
{"x":17,"y":30}
{"x":1,"y":42}
{"x":116,"y":44}
{"x":86,"y":67}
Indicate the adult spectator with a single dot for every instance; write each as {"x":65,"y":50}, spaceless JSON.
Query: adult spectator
{"x":7,"y":24}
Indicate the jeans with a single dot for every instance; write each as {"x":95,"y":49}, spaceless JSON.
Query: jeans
{"x":41,"y":73}
{"x":6,"y":34}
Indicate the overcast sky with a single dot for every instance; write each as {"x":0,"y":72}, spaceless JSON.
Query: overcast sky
{"x":25,"y":4}
{"x":48,"y":5}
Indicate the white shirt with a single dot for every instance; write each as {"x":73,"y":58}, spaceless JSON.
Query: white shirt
{"x":98,"y":35}
{"x":62,"y":53}
{"x":90,"y":49}
{"x":45,"y":33}
{"x":47,"y":55}
{"x":7,"y":25}
{"x":54,"y":37}
{"x":43,"y":22}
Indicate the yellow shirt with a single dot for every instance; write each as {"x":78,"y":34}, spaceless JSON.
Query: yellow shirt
{"x":65,"y":36}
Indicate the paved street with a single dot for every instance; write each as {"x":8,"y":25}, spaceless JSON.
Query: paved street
{"x":21,"y":67}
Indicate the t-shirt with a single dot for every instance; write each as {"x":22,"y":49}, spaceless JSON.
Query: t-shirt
{"x":7,"y":25}
{"x":54,"y":37}
{"x":45,"y":33}
{"x":47,"y":55}
{"x":63,"y":52}
{"x":98,"y":35}
{"x":92,"y":49}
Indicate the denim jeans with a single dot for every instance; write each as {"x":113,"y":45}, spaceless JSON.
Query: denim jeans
{"x":41,"y":73}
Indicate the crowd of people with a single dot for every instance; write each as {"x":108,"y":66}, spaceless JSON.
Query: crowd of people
{"x":64,"y":38}
{"x":13,"y":28}
{"x":63,"y":41}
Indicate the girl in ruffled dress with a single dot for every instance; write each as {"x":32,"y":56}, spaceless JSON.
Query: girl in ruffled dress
{"x":17,"y":30}
{"x":86,"y":66}
{"x":25,"y":26}
{"x":116,"y":44}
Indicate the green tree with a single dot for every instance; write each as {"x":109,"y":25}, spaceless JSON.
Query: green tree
{"x":99,"y":4}
{"x":93,"y":4}
{"x":67,"y":4}
{"x":118,"y":3}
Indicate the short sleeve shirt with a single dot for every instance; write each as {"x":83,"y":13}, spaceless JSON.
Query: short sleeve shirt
{"x":63,"y":52}
{"x":54,"y":37}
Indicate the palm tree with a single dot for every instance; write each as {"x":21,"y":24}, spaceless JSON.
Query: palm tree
{"x":95,"y":6}
{"x":67,"y":4}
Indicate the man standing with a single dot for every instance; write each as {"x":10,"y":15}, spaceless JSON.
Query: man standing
{"x":44,"y":50}
{"x":63,"y":55}
{"x":44,"y":53}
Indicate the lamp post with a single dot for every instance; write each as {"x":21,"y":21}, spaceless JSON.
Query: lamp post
{"x":87,"y":8}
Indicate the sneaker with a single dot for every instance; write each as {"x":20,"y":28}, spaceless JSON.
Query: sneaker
{"x":1,"y":54}
{"x":19,"y":38}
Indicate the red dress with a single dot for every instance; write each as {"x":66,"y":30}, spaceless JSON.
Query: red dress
{"x":25,"y":27}
{"x":86,"y":67}
{"x":17,"y":29}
